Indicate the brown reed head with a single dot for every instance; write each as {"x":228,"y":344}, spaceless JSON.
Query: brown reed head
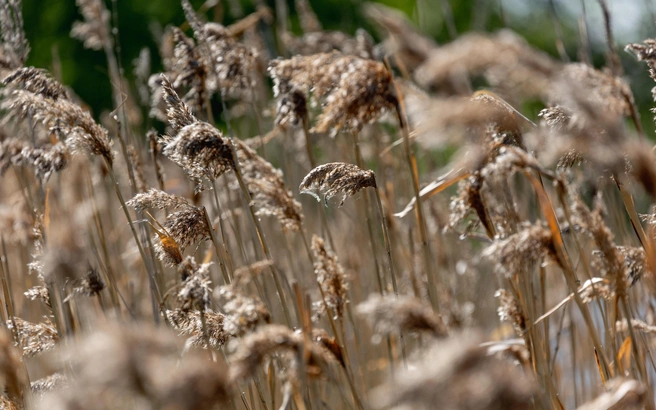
{"x":94,"y":30}
{"x":268,"y":190}
{"x":356,"y":91}
{"x":14,"y":47}
{"x":34,"y":338}
{"x":244,"y":313}
{"x":330,"y":276}
{"x":63,"y":118}
{"x":36,"y":81}
{"x":337,"y":178}
{"x":276,"y":339}
{"x":123,"y":364}
{"x":183,"y":227}
{"x":459,"y":374}
{"x":189,"y":323}
{"x":397,"y":315}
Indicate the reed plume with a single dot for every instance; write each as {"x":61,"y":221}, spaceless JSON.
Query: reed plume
{"x":55,"y":381}
{"x":91,"y":284}
{"x":330,"y":276}
{"x":269,"y":340}
{"x":36,"y":81}
{"x":268,"y":189}
{"x":525,"y":248}
{"x":121,"y":364}
{"x":458,"y":374}
{"x":198,"y":148}
{"x":14,"y":47}
{"x":189,"y":323}
{"x":397,"y":315}
{"x":94,"y":30}
{"x":63,"y":118}
{"x":34,"y":338}
{"x":185,"y":226}
{"x":244,"y":313}
{"x":337,"y":178}
{"x":356,"y":91}
{"x":195,"y":290}
{"x":404,"y":41}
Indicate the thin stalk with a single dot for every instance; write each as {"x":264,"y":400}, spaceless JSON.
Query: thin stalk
{"x":419,"y":213}
{"x":263,"y":243}
{"x":370,"y":229}
{"x":258,"y":387}
{"x":157,"y":298}
{"x":566,"y":266}
{"x":637,"y":353}
{"x":215,"y":242}
{"x":386,"y":239}
{"x":258,"y":227}
{"x":338,"y":335}
{"x":7,"y":293}
{"x":313,"y":164}
{"x":217,"y":203}
{"x":103,"y":245}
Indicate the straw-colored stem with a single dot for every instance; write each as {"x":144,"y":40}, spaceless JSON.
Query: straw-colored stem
{"x":386,"y":239}
{"x":313,"y":164}
{"x":370,"y":230}
{"x":419,"y":213}
{"x":215,"y":242}
{"x":152,"y":280}
{"x":338,"y":335}
{"x":258,"y":227}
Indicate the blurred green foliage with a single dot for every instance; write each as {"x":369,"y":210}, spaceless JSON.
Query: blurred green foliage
{"x":48,"y":25}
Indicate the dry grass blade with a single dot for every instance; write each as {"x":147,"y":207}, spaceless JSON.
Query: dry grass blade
{"x":435,"y":187}
{"x":595,"y":287}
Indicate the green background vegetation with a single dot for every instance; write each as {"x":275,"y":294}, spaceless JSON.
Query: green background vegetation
{"x":48,"y":25}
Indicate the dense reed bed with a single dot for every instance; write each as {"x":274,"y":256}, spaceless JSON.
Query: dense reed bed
{"x":460,"y":254}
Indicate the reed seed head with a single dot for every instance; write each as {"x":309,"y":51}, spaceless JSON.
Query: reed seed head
{"x":524,"y":248}
{"x":330,"y":276}
{"x":268,"y":189}
{"x":337,"y":178}
{"x":36,"y":81}
{"x":356,"y":91}
{"x":94,"y":30}
{"x":14,"y":47}
{"x":188,"y":323}
{"x":34,"y":338}
{"x":273,"y":339}
{"x":397,"y":315}
{"x":458,"y":374}
{"x":198,"y":147}
{"x":195,"y":291}
{"x":178,"y":114}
